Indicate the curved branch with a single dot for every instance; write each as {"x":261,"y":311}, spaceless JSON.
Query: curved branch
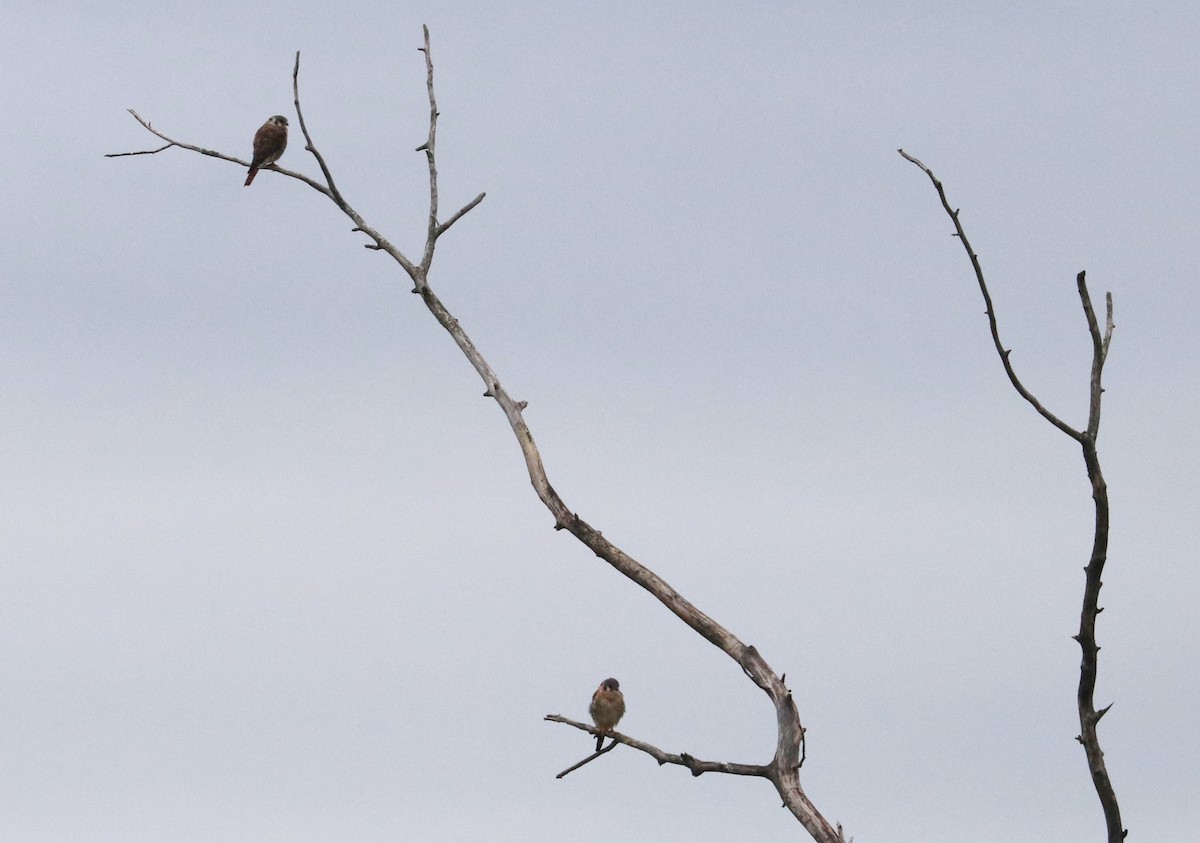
{"x":784,"y":767}
{"x":783,"y":770}
{"x":987,"y":299}
{"x":1085,"y":695}
{"x":332,"y":191}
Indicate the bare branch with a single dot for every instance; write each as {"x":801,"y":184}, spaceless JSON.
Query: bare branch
{"x":785,"y":765}
{"x":140,"y":152}
{"x":430,"y":150}
{"x":1100,"y":343}
{"x":380,"y":242}
{"x":1108,"y":322}
{"x":987,"y":299}
{"x":430,"y":155}
{"x":308,"y":143}
{"x":1090,"y":650}
{"x":441,"y":229}
{"x":783,"y":770}
{"x":1085,"y":696}
{"x":697,"y":766}
{"x":587,"y":760}
{"x":213,"y":154}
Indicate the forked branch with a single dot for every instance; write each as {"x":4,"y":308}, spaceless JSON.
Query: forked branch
{"x":783,"y":770}
{"x":1085,"y":697}
{"x":697,"y":766}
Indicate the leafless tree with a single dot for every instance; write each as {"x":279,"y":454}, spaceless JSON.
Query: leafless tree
{"x":783,"y":771}
{"x":1089,"y":717}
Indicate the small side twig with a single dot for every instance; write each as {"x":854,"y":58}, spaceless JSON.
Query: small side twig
{"x":987,"y":299}
{"x":441,"y":229}
{"x":694,"y":764}
{"x":429,"y":147}
{"x":140,"y":152}
{"x":309,"y":146}
{"x":589,"y":759}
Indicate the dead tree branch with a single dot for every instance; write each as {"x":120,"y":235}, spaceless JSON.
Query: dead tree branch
{"x":211,"y":153}
{"x":1085,"y":697}
{"x":684,"y":760}
{"x":591,"y":757}
{"x":697,"y":766}
{"x":783,"y":770}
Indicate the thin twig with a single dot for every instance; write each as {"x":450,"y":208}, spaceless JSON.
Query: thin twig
{"x":589,"y":759}
{"x":140,"y":152}
{"x":212,"y":154}
{"x":697,"y":766}
{"x":430,"y":150}
{"x":441,"y":229}
{"x":987,"y":299}
{"x":308,"y":142}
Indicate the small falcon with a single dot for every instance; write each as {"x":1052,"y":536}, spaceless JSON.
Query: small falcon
{"x":269,"y":143}
{"x":608,"y":704}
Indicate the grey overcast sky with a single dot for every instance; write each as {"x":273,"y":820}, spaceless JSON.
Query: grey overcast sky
{"x":271,"y":568}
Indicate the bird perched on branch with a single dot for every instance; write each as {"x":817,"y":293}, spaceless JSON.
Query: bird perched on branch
{"x":608,"y":705}
{"x":269,"y":143}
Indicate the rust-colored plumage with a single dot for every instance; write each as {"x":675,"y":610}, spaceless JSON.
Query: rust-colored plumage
{"x":269,"y":143}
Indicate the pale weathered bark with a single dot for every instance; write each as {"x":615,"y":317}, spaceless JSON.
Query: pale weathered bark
{"x":783,"y":769}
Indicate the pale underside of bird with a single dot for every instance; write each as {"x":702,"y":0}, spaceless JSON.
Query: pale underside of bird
{"x":607,"y":708}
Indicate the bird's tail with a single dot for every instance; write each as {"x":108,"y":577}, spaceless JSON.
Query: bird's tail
{"x":250,"y":176}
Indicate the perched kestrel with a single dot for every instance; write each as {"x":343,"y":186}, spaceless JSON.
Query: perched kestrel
{"x":269,"y":143}
{"x":608,"y":704}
